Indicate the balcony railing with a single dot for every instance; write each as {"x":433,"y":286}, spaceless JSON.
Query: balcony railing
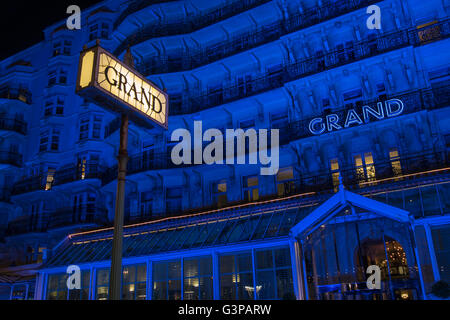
{"x":189,"y":24}
{"x":300,"y":20}
{"x":194,"y":102}
{"x":12,"y":158}
{"x":410,"y":167}
{"x":416,"y":100}
{"x":21,"y":94}
{"x":58,"y":218}
{"x":13,"y":125}
{"x":77,"y":172}
{"x":135,"y":6}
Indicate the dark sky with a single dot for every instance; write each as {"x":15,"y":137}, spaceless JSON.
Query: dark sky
{"x":22,"y":22}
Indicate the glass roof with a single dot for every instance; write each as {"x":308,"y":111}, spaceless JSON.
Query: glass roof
{"x":198,"y":233}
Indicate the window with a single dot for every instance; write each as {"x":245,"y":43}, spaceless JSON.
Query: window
{"x":57,"y":287}
{"x":442,"y":250}
{"x":251,"y":192}
{"x":101,"y":292}
{"x":173,"y":200}
{"x":198,"y":282}
{"x":97,"y":127}
{"x":167,"y":280}
{"x":274,"y":274}
{"x":58,"y":76}
{"x":220,"y":193}
{"x":285,"y":181}
{"x":50,"y":178}
{"x":84,"y":128}
{"x":83,"y":292}
{"x":334,"y":167}
{"x":84,"y":207}
{"x":62,"y":47}
{"x":55,"y":140}
{"x":49,"y":139}
{"x":99,"y":30}
{"x":134,"y":280}
{"x":236,"y":277}
{"x":43,"y":143}
{"x":54,"y":106}
{"x":146,"y":204}
{"x":365,"y":168}
{"x":85,"y":125}
{"x":353,"y":99}
{"x":394,"y":157}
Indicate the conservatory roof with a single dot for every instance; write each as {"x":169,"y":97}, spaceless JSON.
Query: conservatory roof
{"x":256,"y":223}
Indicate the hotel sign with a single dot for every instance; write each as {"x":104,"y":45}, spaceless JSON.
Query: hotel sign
{"x":351,"y":117}
{"x":107,"y":81}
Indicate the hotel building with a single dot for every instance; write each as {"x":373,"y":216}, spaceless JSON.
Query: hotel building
{"x":364,"y":122}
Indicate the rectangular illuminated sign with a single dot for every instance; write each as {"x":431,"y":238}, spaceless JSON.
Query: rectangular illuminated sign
{"x":110,"y":83}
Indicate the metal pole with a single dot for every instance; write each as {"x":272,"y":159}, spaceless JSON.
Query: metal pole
{"x":115,"y":280}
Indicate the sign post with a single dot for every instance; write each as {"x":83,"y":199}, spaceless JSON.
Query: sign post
{"x":116,"y":86}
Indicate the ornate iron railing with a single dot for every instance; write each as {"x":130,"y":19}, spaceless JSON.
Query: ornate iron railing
{"x":294,"y":22}
{"x":196,"y":101}
{"x":189,"y":24}
{"x":58,"y":218}
{"x":77,"y":172}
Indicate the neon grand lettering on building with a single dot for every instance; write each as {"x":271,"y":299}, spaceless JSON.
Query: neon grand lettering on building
{"x":109,"y":82}
{"x":390,"y":108}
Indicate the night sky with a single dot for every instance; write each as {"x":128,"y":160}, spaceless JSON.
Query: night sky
{"x":22,"y":22}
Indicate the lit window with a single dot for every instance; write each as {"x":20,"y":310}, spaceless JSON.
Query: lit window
{"x":251,"y":192}
{"x":134,"y":282}
{"x":50,"y":178}
{"x":198,"y":281}
{"x":285,"y":181}
{"x":167,"y":280}
{"x":365,"y":168}
{"x":394,"y":157}
{"x":334,"y":166}
{"x":236,"y":277}
{"x":220,"y":193}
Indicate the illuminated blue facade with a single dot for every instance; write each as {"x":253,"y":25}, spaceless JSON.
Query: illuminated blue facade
{"x":368,"y":107}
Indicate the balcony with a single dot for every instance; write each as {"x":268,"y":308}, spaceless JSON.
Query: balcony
{"x":197,"y":101}
{"x":135,"y":6}
{"x":63,"y":217}
{"x":412,"y":167}
{"x":416,"y":100}
{"x":20,"y":94}
{"x":29,"y":184}
{"x":309,"y":17}
{"x":77,"y":173}
{"x":189,"y":24}
{"x":13,"y":125}
{"x":12,"y":158}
